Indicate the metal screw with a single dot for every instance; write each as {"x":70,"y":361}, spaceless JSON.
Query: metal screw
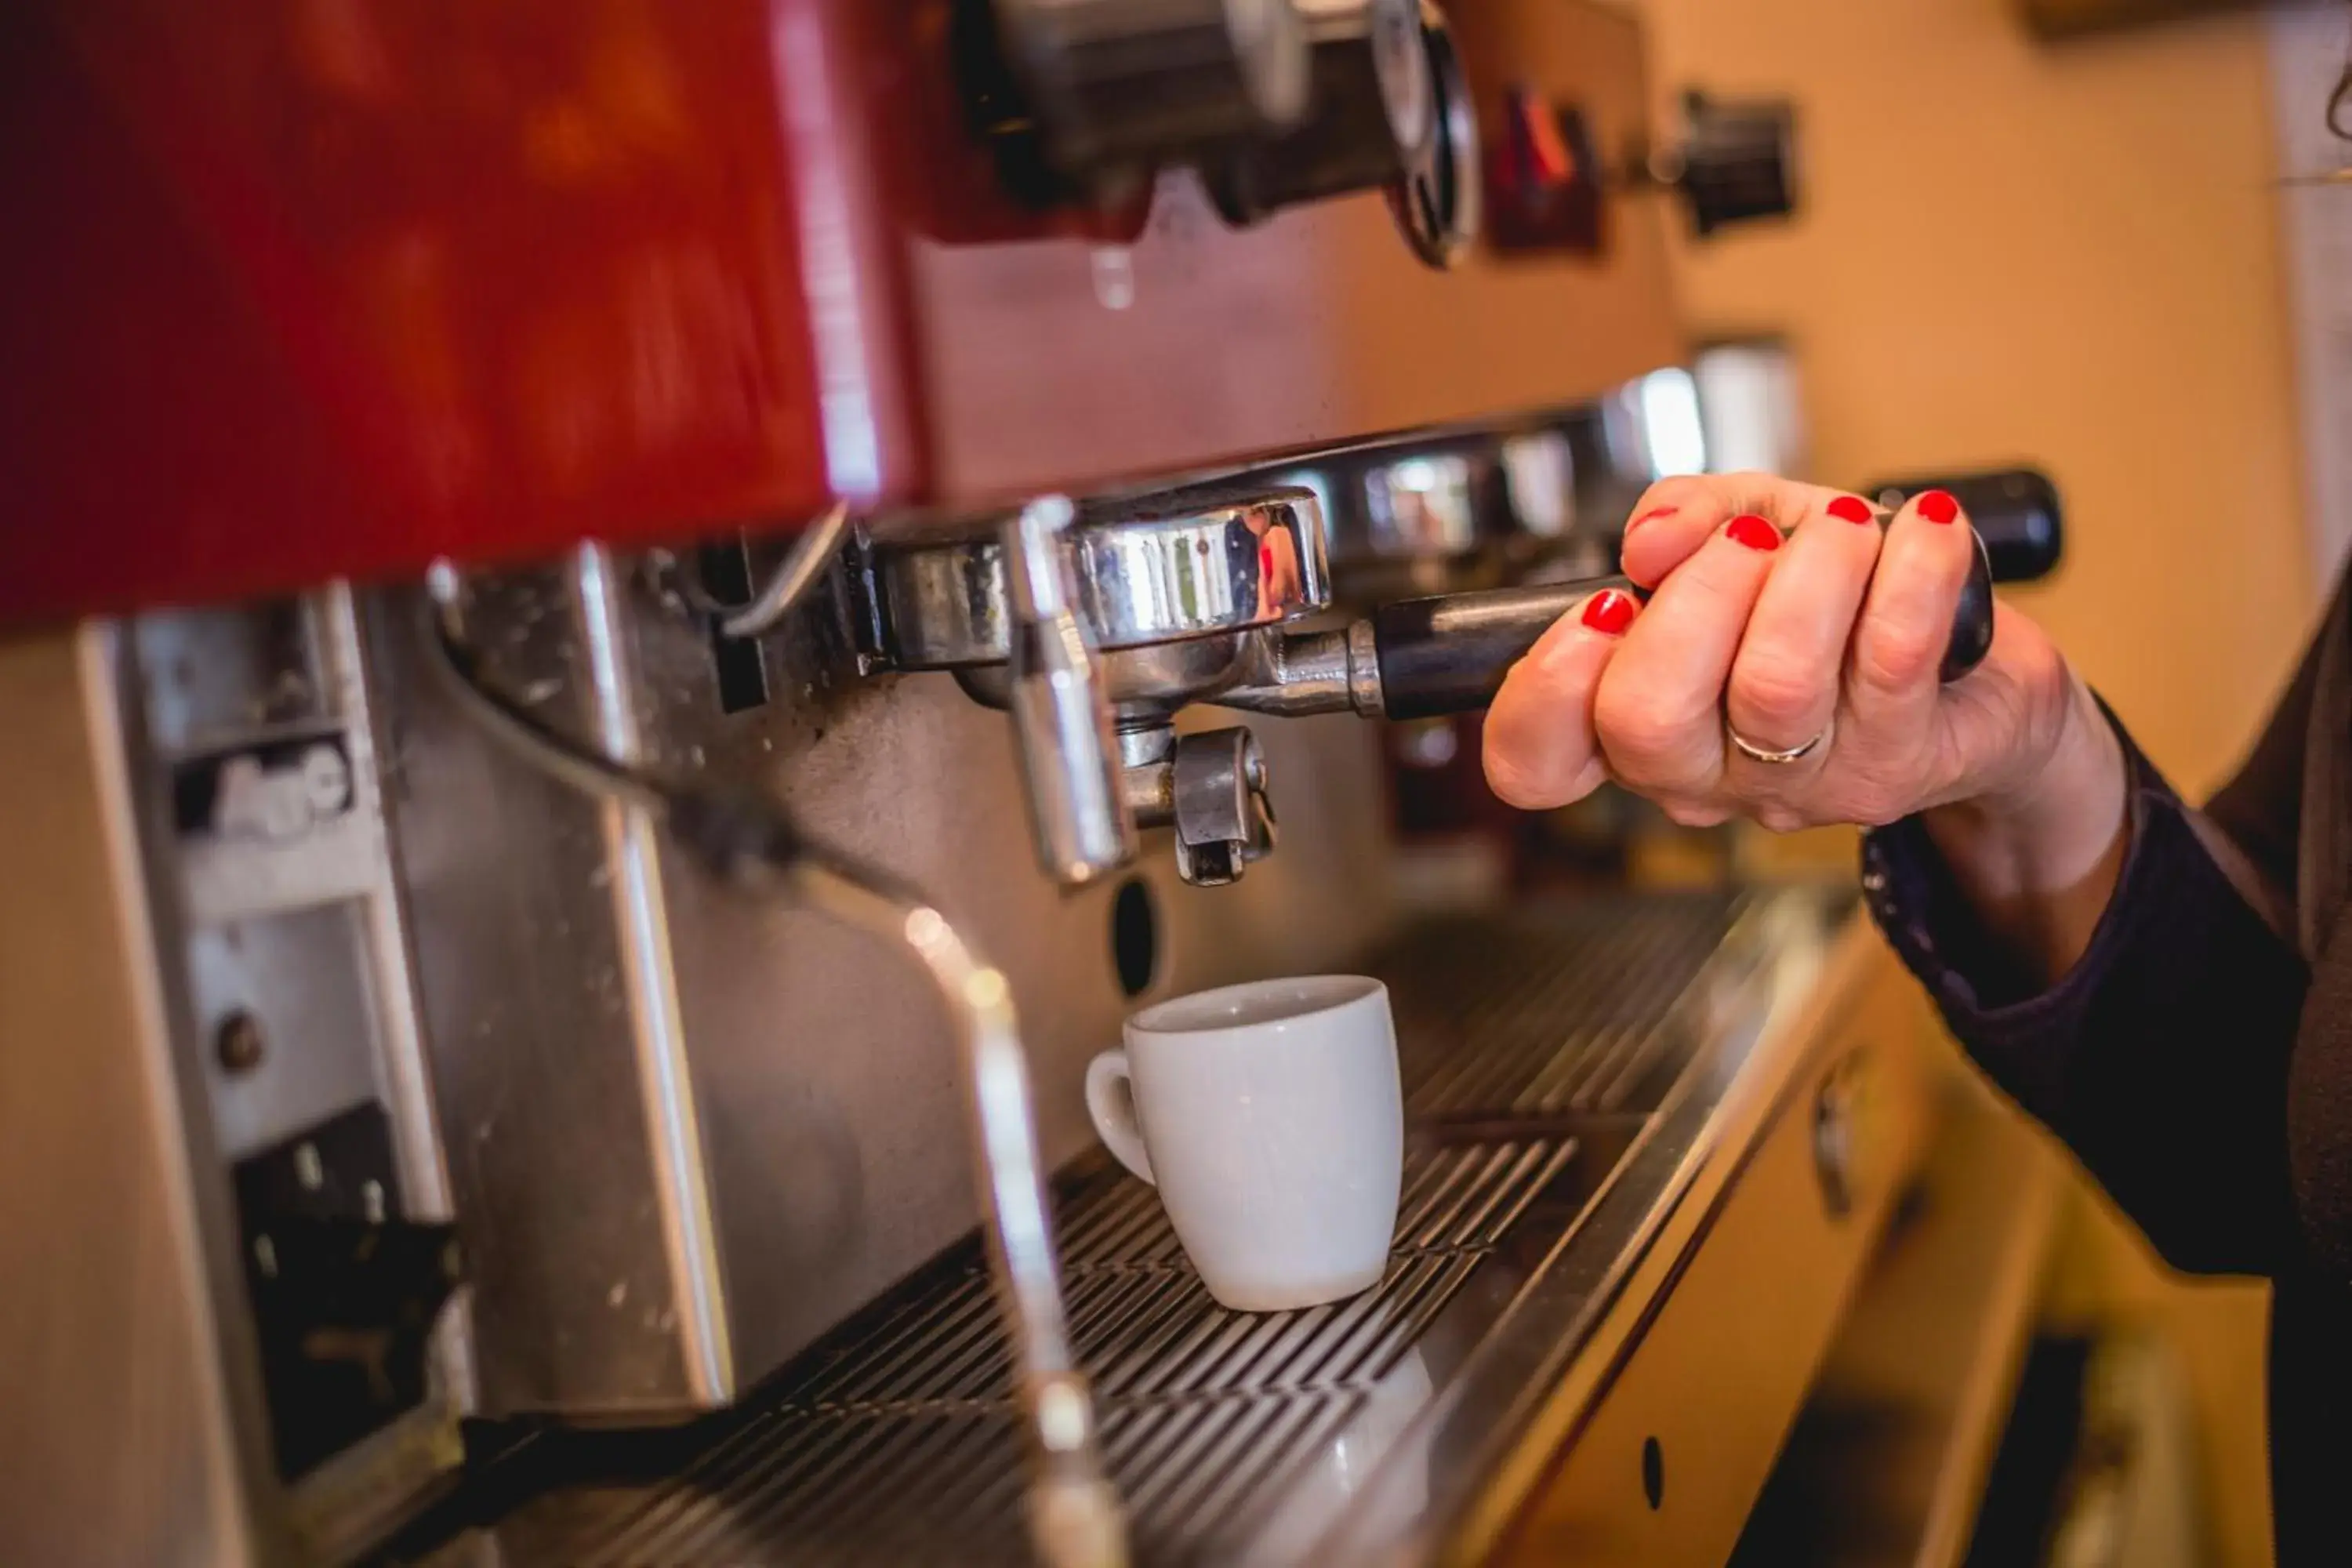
{"x":1835,"y":1135}
{"x":237,"y":1043}
{"x":309,"y":1169}
{"x":371,"y":1201}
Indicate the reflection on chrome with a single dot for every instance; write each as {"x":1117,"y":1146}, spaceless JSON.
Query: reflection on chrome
{"x":1345,"y":1468}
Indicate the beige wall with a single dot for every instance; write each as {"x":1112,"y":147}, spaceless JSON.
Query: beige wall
{"x":2063,"y":254}
{"x":2067,"y":254}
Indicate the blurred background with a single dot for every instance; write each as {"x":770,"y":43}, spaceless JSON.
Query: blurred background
{"x":2066,"y":228}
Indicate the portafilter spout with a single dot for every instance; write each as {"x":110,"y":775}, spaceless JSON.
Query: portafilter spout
{"x":1092,"y":629}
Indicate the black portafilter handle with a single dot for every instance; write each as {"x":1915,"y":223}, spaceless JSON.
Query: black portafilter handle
{"x":1449,"y":655}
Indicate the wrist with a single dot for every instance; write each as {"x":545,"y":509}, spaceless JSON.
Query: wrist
{"x":2054,"y":825}
{"x":2040,"y":861}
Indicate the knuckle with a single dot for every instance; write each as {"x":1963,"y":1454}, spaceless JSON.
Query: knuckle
{"x":1776,"y":496}
{"x":1872,"y":808}
{"x":1688,"y":813}
{"x":1871,"y":799}
{"x":1635,"y":729}
{"x":1514,"y":785}
{"x":1777,"y":691}
{"x":1897,"y":656}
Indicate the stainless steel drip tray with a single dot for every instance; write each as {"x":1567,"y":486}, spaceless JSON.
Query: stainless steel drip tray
{"x":1562,"y":1066}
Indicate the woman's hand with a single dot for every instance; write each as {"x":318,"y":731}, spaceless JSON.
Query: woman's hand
{"x":1783,"y":613}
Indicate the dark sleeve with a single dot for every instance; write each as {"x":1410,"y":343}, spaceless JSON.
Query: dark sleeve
{"x":2261,"y":808}
{"x":2161,"y":1059}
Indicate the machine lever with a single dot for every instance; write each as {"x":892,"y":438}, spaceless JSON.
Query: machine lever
{"x":1449,"y":655}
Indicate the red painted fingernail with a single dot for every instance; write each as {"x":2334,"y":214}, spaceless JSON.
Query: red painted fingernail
{"x":1852,"y":509}
{"x":1650,"y":516}
{"x":1938,"y":506}
{"x":1609,"y":612}
{"x":1754,"y":532}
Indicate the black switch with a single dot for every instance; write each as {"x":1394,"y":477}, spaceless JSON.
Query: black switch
{"x":742,"y":673}
{"x":1738,"y":162}
{"x":345,"y":1292}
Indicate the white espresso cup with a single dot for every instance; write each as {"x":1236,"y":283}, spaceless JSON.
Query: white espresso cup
{"x":1270,"y":1118}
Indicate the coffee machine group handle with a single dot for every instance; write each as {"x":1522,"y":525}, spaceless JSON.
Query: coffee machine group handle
{"x":1449,"y":655}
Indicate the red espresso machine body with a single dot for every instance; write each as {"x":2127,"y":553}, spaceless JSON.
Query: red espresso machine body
{"x":298,"y":291}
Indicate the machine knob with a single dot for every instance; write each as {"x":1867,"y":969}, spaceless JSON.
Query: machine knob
{"x":1737,"y":162}
{"x":1374,"y":112}
{"x":1118,"y":86}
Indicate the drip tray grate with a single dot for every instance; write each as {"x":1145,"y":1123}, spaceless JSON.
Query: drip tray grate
{"x":1551,"y":1012}
{"x":894,"y":1440}
{"x":943,"y":1484}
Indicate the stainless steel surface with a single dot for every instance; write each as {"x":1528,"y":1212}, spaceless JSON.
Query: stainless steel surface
{"x":680,"y":1199}
{"x":256,"y":745}
{"x":1060,"y":714}
{"x":1739,"y":1021}
{"x":540,"y":927}
{"x":1119,"y":85}
{"x":1567,"y":1071}
{"x":252,"y":981}
{"x":1223,"y":825}
{"x":1073,"y":1518}
{"x":1311,"y":672}
{"x":830,"y":1123}
{"x":1179,"y":594}
{"x":1073,"y":1515}
{"x":298,"y":980}
{"x":1148,"y":774}
{"x":1143,"y":571}
{"x":1654,"y":1443}
{"x":1399,"y":60}
{"x":1571,"y":1014}
{"x":1540,"y":474}
{"x":1209,"y":786}
{"x":1145,"y":685}
{"x":219,"y":674}
{"x":1439,"y":201}
{"x":1212,"y":1419}
{"x":1419,"y":504}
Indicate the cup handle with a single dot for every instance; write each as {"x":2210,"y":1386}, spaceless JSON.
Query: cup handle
{"x":1110,"y":1100}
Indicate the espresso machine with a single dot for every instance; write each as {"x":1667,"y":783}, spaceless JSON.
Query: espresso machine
{"x":633,"y":629}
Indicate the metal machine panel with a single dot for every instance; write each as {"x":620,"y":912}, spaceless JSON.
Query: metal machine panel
{"x":667,"y":1199}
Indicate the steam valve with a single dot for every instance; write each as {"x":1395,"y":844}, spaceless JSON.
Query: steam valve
{"x":1374,"y":115}
{"x":1738,"y":163}
{"x":1548,"y":178}
{"x":1116,"y":86}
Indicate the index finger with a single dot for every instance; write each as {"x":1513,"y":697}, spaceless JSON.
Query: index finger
{"x":1676,"y":516}
{"x":1539,"y":747}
